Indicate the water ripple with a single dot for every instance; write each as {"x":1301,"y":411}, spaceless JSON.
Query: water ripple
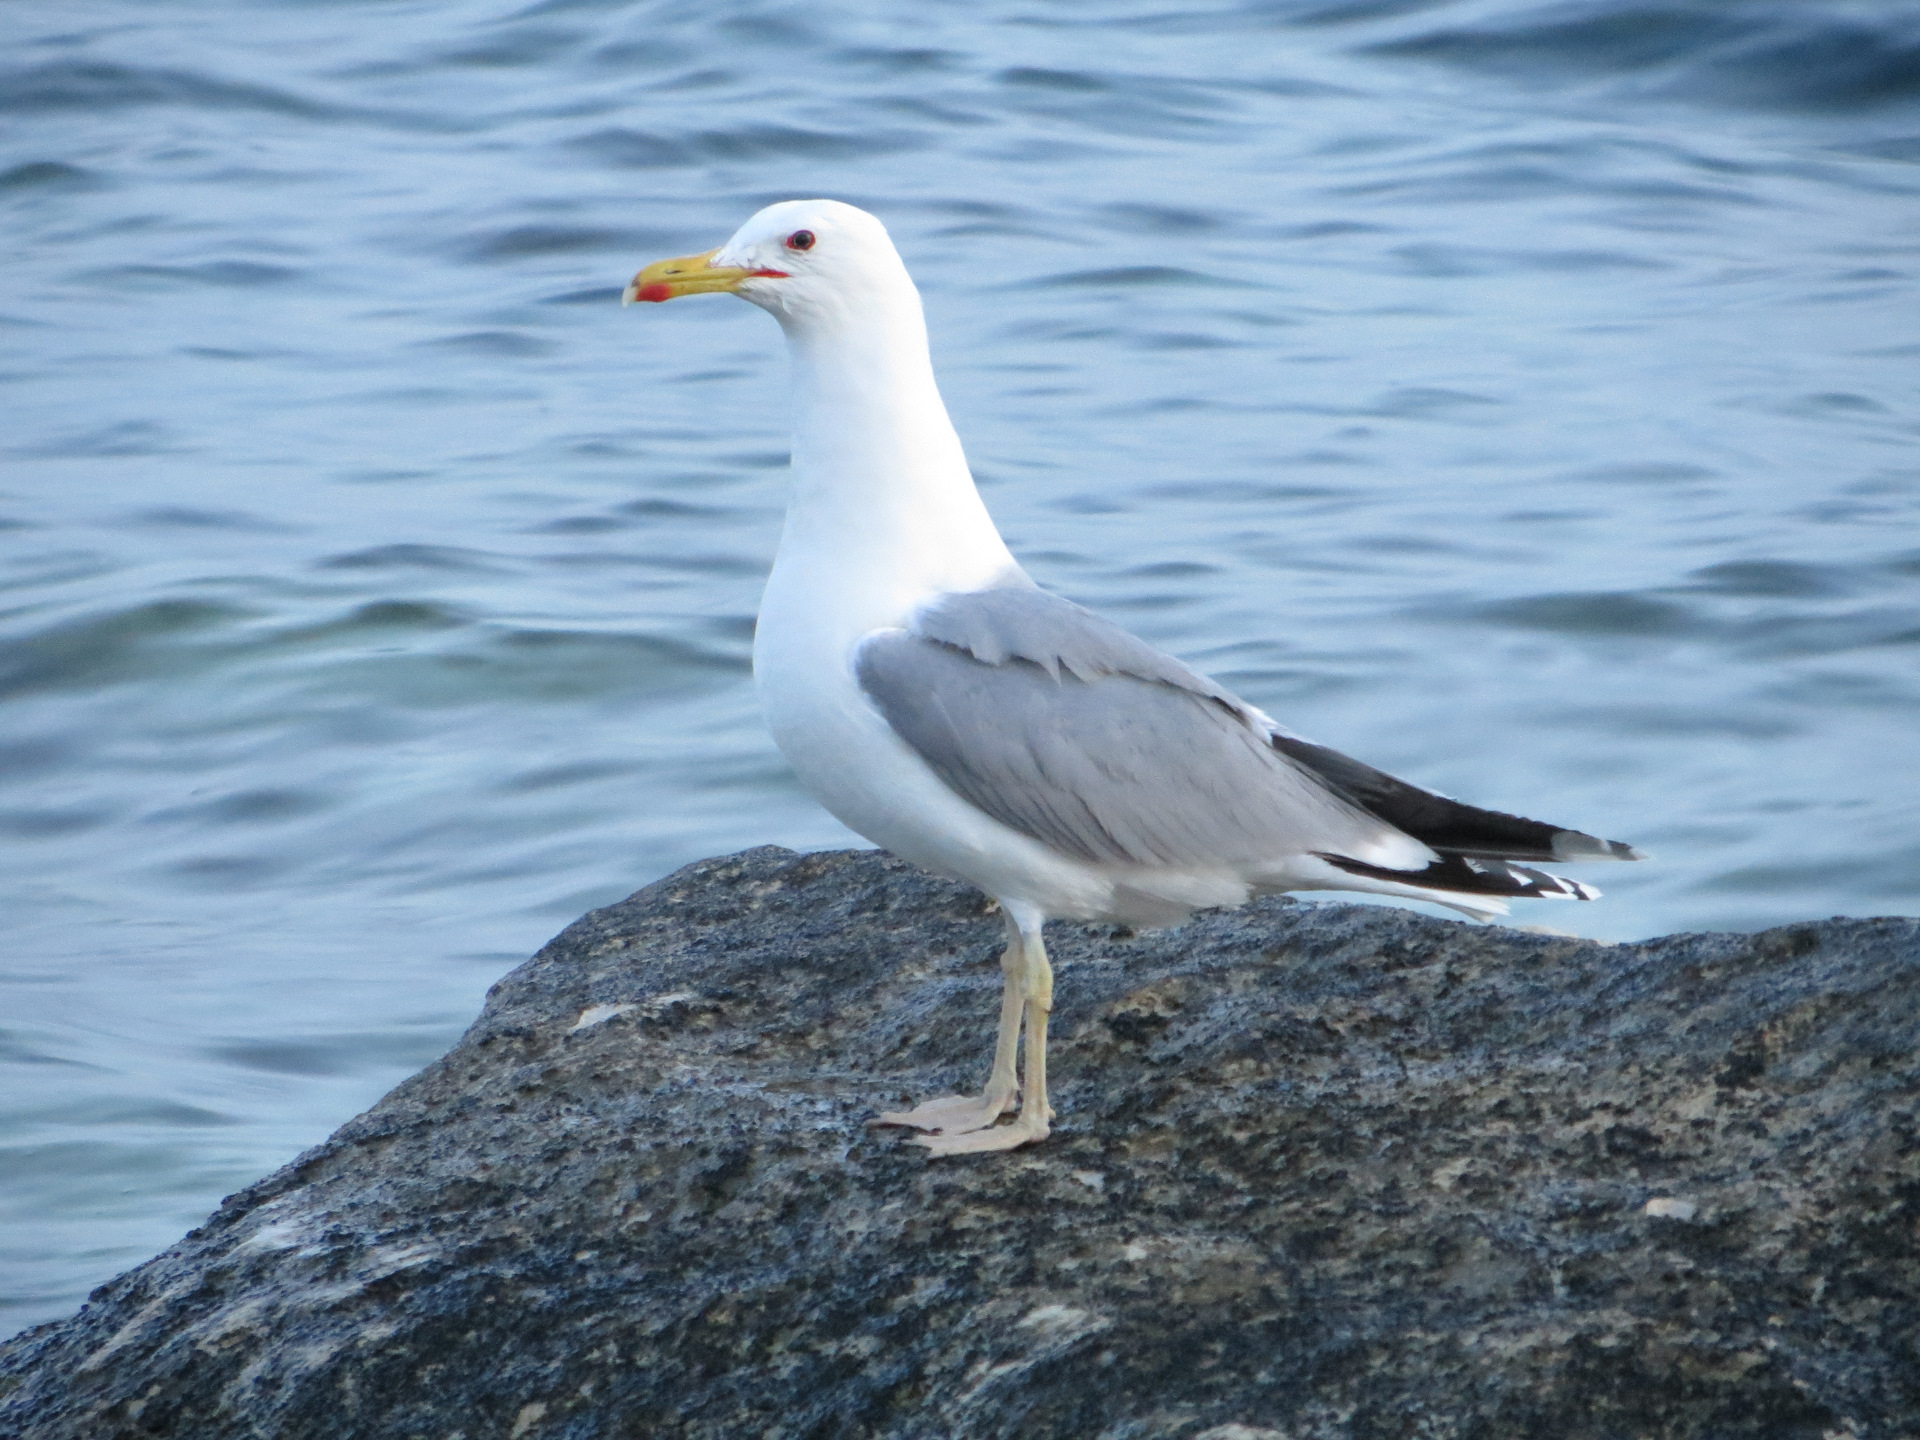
{"x":1517,"y":395}
{"x":94,"y":86}
{"x":1778,"y":56}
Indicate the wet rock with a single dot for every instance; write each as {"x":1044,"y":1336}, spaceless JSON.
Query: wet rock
{"x":1319,"y":1171}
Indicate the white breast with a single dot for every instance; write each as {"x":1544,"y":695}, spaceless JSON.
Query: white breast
{"x":849,"y":759}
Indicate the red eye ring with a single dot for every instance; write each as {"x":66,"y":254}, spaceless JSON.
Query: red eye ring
{"x":800,"y":240}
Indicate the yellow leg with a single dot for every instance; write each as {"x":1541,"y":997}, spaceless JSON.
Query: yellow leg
{"x":963,"y":1114}
{"x":1031,"y":1123}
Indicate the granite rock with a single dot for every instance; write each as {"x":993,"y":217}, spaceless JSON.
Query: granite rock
{"x":1320,"y":1170}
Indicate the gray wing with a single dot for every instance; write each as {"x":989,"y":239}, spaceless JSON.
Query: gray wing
{"x":1062,"y":726}
{"x":1024,"y":622}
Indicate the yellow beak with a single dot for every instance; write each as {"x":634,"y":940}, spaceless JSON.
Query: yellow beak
{"x":689,"y":275}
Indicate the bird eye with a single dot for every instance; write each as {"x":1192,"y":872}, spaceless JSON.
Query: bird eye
{"x":800,"y":240}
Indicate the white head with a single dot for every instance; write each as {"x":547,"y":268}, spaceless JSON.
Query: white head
{"x":806,"y":261}
{"x":884,"y":505}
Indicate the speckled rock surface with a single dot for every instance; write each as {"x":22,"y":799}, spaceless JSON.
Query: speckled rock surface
{"x":1319,"y":1171}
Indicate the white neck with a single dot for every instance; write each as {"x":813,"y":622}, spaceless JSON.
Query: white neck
{"x":884,"y":511}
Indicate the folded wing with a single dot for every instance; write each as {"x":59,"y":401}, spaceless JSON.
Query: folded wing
{"x":1066,"y":728}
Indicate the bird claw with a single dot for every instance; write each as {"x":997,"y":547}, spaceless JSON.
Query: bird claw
{"x":976,"y":1142}
{"x":950,"y":1114}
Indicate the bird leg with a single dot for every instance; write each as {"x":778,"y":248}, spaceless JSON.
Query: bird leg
{"x":1031,"y":1123}
{"x":961,"y":1114}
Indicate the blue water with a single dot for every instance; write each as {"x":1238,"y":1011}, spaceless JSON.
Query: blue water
{"x":1520,"y":397}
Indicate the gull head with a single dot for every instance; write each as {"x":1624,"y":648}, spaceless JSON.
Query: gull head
{"x":803,"y":260}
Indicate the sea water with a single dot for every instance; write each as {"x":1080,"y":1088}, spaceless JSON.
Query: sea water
{"x":1520,"y":397}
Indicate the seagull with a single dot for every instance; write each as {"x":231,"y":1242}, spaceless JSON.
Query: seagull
{"x":939,"y":702}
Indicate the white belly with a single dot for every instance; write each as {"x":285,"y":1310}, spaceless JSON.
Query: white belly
{"x":850,"y":760}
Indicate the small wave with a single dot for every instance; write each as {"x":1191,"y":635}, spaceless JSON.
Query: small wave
{"x":525,"y":667}
{"x":1420,"y":402}
{"x":560,"y":777}
{"x":133,"y":644}
{"x":1795,"y":57}
{"x":756,"y":459}
{"x":119,"y":1110}
{"x":1905,"y":564}
{"x":249,"y":807}
{"x":1845,"y":69}
{"x":282,"y":1057}
{"x":515,"y":47}
{"x":1130,"y":277}
{"x":1676,"y":718}
{"x":410,"y":557}
{"x":640,"y":150}
{"x":1889,"y":874}
{"x":128,"y":437}
{"x":1777,"y":632}
{"x":94,"y":85}
{"x":20,"y":758}
{"x":48,"y":175}
{"x":1350,"y":12}
{"x":494,"y":344}
{"x":1549,"y":42}
{"x":374,"y":616}
{"x":658,"y":507}
{"x":1598,"y":613}
{"x":1183,"y":340}
{"x":1792,"y":636}
{"x":193,"y":517}
{"x":1162,"y":219}
{"x":1782,"y":579}
{"x":580,"y":525}
{"x":1533,"y":169}
{"x":520,"y":240}
{"x":902,"y":61}
{"x":1120,"y":104}
{"x":592,"y":295}
{"x":232,"y":274}
{"x":1450,"y":261}
{"x":1236,"y":492}
{"x":15,"y":1049}
{"x":1832,"y":402}
{"x":1650,"y":472}
{"x":1088,"y":505}
{"x":1037,"y":78}
{"x":1898,"y":147}
{"x":45,"y":824}
{"x":228,"y":872}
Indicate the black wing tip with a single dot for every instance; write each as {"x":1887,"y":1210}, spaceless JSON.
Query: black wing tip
{"x":1459,"y":875}
{"x":1443,"y":824}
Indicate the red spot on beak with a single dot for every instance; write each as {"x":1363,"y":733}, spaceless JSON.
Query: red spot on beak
{"x":655,"y":291}
{"x":776,"y":274}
